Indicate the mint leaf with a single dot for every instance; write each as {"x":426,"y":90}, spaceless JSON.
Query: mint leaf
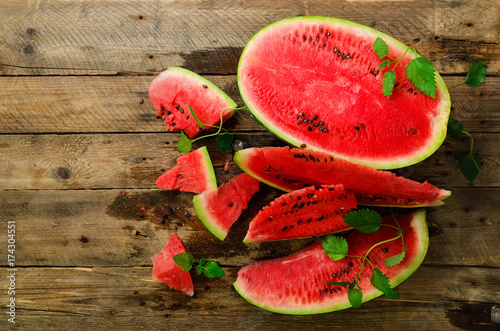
{"x":224,"y":140}
{"x":380,"y":48}
{"x":184,"y":261}
{"x":420,"y":72}
{"x":199,"y":269}
{"x":364,"y":220}
{"x":470,"y":165}
{"x":476,"y":74}
{"x":343,"y":284}
{"x":335,"y":247}
{"x":212,"y":270}
{"x":200,"y":123}
{"x":384,"y":64}
{"x":202,"y":261}
{"x":388,"y":83}
{"x":184,"y":144}
{"x":381,"y":282}
{"x":396,"y":259}
{"x":355,"y":297}
{"x":455,"y":128}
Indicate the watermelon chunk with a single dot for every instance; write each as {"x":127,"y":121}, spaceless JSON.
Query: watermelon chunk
{"x":298,"y":284}
{"x":316,"y":82}
{"x":167,"y":271}
{"x":174,"y":89}
{"x":311,"y":211}
{"x":289,"y":169}
{"x":219,"y":208}
{"x":193,"y":173}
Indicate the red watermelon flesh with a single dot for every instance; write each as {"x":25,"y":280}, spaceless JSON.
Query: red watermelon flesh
{"x":193,"y":173}
{"x":311,"y":211}
{"x":298,"y":284}
{"x":167,"y":271}
{"x":219,"y":208}
{"x":316,"y":81}
{"x":293,"y":168}
{"x":174,"y":89}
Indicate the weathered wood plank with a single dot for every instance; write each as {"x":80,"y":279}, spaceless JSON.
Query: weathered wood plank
{"x":109,"y":37}
{"x":111,"y":104}
{"x":87,"y":161}
{"x":434,"y":297}
{"x":108,"y":228}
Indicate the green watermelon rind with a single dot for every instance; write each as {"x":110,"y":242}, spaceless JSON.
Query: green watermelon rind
{"x":209,"y":168}
{"x":205,"y":218}
{"x":440,"y":127}
{"x":418,"y":224}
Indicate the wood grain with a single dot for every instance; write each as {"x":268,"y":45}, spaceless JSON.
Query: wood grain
{"x":111,"y":37}
{"x":111,"y":298}
{"x":126,"y":227}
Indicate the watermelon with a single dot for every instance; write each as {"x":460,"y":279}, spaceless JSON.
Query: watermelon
{"x":311,"y":211}
{"x":298,"y":284}
{"x":175,"y":88}
{"x":315,"y":82}
{"x":193,"y":173}
{"x":220,"y":207}
{"x":294,"y":168}
{"x":167,"y":271}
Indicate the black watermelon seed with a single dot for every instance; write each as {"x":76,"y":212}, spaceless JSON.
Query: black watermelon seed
{"x":317,"y":38}
{"x":204,"y":86}
{"x":321,"y":123}
{"x":294,"y":206}
{"x":410,"y":90}
{"x":303,"y":114}
{"x":396,"y":85}
{"x":331,"y":189}
{"x":299,"y":123}
{"x":162,"y":107}
{"x":321,"y":293}
{"x":334,"y":275}
{"x":356,"y":127}
{"x":309,"y":220}
{"x":339,"y":274}
{"x":230,"y":204}
{"x":415,"y":93}
{"x":335,"y":50}
{"x":270,"y":218}
{"x":187,"y":117}
{"x":168,"y":112}
{"x":348,"y":56}
{"x":308,"y":203}
{"x":347,"y":270}
{"x":350,"y":264}
{"x":315,"y":125}
{"x":172,"y":124}
{"x":283,"y":204}
{"x":325,"y":130}
{"x":310,"y":195}
{"x":320,"y":218}
{"x":181,"y":111}
{"x":177,"y":107}
{"x":303,"y":146}
{"x":372,"y":71}
{"x":343,"y":56}
{"x":299,"y":221}
{"x":414,"y":131}
{"x":328,"y":34}
{"x":286,"y":227}
{"x":362,"y":126}
{"x":338,"y":54}
{"x":297,"y":155}
{"x":343,"y":270}
{"x":298,"y":198}
{"x":309,"y":128}
{"x":315,"y":117}
{"x":301,"y":205}
{"x":385,"y":250}
{"x":291,"y":226}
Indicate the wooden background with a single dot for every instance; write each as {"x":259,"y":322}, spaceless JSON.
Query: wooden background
{"x":79,"y":156}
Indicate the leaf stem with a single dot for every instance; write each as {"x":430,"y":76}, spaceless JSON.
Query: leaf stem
{"x":452,"y":86}
{"x":397,"y":61}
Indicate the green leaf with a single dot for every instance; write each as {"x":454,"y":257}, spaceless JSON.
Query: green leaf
{"x":420,"y":72}
{"x":384,"y":64}
{"x":470,"y":165}
{"x":335,"y":247}
{"x":380,"y":48}
{"x":184,"y":144}
{"x":199,"y":269}
{"x":476,"y":74}
{"x":364,"y":220}
{"x":355,"y":297}
{"x":343,"y":284}
{"x":202,"y":261}
{"x":388,"y":83}
{"x":212,"y":270}
{"x":396,"y":259}
{"x":381,"y":282}
{"x":224,"y":140}
{"x":200,"y":123}
{"x":184,"y":261}
{"x":455,"y":128}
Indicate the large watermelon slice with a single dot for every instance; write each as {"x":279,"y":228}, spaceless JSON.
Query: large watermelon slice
{"x":174,"y":89}
{"x":193,"y":173}
{"x":315,"y":82}
{"x":298,"y":284}
{"x":219,"y":208}
{"x":293,"y":168}
{"x":167,"y":271}
{"x":311,"y":211}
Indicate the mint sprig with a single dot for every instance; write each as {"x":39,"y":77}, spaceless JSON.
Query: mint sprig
{"x":209,"y":269}
{"x":336,"y":248}
{"x":475,"y":75}
{"x":469,"y":163}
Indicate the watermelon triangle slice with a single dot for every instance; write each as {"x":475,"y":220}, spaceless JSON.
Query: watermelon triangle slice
{"x":167,"y":271}
{"x":193,"y":173}
{"x":219,"y":208}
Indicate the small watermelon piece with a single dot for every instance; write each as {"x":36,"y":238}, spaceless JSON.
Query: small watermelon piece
{"x":315,"y":81}
{"x":289,"y":169}
{"x":167,"y":271}
{"x":311,"y":211}
{"x":298,"y":284}
{"x":174,"y":89}
{"x":219,"y":208}
{"x":193,"y":173}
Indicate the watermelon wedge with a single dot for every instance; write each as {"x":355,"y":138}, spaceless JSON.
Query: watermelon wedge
{"x":289,"y":169}
{"x":219,"y":208}
{"x":167,"y":271}
{"x":311,"y":211}
{"x":298,"y":284}
{"x":193,"y":173}
{"x":315,"y":82}
{"x":174,"y":89}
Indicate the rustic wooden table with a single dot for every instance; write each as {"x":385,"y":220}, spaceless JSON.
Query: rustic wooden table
{"x":79,"y":155}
